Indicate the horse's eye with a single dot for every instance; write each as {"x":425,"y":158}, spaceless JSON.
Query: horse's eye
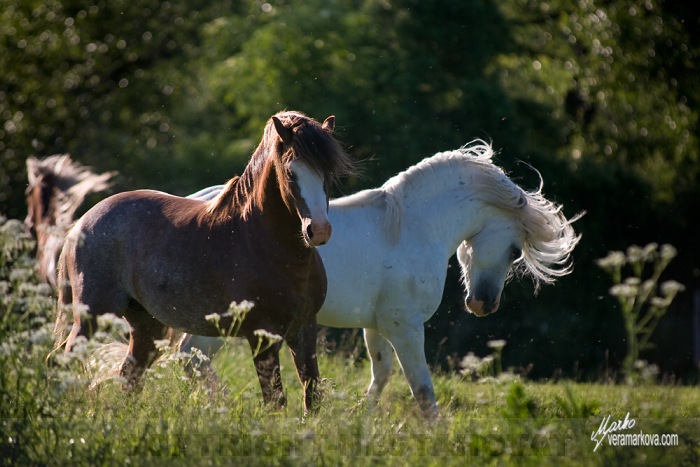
{"x":515,"y":253}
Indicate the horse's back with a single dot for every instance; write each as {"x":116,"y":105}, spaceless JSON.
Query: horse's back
{"x":108,"y":246}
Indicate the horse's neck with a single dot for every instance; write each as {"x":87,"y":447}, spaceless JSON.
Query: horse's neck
{"x":273,"y":205}
{"x":446,"y":212}
{"x":236,"y":199}
{"x":274,"y":215}
{"x":245,"y":184}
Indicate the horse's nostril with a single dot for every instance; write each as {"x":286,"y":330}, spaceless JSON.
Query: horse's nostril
{"x":310,"y":232}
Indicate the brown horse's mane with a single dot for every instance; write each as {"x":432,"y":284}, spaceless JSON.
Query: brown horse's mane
{"x":311,"y":143}
{"x":57,"y":188}
{"x":68,"y":181}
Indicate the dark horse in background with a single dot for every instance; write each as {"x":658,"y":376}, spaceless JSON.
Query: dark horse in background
{"x":163,"y":261}
{"x":56,"y":191}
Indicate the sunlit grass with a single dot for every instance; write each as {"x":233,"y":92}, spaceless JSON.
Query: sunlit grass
{"x":177,"y":418}
{"x":51,"y":413}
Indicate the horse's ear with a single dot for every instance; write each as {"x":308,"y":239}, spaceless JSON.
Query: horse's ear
{"x":32,"y":169}
{"x":522,"y":201}
{"x":329,"y":124}
{"x":285,"y":133}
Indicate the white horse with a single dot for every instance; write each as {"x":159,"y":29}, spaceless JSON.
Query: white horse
{"x":387,"y":264}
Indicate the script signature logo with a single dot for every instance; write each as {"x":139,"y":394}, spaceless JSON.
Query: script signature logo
{"x":606,"y":428}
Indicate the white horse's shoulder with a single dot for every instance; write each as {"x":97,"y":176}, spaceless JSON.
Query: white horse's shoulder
{"x":360,"y":199}
{"x":382,"y":199}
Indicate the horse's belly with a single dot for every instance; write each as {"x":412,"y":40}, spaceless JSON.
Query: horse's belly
{"x":355,"y":275}
{"x":348,"y":304}
{"x":195,"y":319}
{"x":183,"y":301}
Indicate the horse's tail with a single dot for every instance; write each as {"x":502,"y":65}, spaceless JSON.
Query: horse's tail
{"x":66,"y":302}
{"x":47,"y":256}
{"x":105,"y":360}
{"x":65,"y":299}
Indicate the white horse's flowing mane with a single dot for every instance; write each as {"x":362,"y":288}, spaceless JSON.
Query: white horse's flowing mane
{"x":549,"y":238}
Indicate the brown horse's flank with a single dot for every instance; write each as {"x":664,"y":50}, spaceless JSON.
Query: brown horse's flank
{"x":162,"y":261}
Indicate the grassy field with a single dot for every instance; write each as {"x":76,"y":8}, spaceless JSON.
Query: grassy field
{"x":51,"y":414}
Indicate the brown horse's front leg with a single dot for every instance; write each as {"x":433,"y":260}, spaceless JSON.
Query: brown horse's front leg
{"x":267,"y":365}
{"x":303,"y":348}
{"x":142,"y":348}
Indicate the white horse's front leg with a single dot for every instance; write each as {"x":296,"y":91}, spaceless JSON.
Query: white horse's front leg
{"x":381,"y":356}
{"x":408,"y":341}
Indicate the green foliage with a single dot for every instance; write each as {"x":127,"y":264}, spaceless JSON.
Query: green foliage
{"x":98,"y":79}
{"x":614,"y":80}
{"x":642,"y":301}
{"x":518,"y":403}
{"x":601,"y":97}
{"x":398,"y":85}
{"x":25,"y":300}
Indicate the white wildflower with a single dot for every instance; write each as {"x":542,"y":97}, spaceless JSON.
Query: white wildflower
{"x":213,"y":318}
{"x":162,"y":344}
{"x":615,"y":259}
{"x":671,"y":288}
{"x":496,"y":344}
{"x":623,"y":291}
{"x":668,"y":252}
{"x":263,"y":334}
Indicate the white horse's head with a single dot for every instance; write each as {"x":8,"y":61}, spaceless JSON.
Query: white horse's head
{"x":523,"y":233}
{"x":486,"y":261}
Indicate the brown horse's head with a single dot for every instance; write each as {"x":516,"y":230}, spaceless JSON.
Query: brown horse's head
{"x":299,"y":159}
{"x":308,"y":160}
{"x":38,"y":196}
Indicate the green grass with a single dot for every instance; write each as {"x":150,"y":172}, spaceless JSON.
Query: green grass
{"x":51,"y":418}
{"x":49,"y":414}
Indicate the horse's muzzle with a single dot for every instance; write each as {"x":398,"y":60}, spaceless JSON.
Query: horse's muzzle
{"x":481,"y":307}
{"x":318,"y":233}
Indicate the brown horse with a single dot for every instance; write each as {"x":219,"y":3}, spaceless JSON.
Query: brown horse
{"x":57,"y":188}
{"x":162,"y":261}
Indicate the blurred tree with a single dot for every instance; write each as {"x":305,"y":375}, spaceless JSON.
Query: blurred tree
{"x":617,"y":85}
{"x":608,"y":93}
{"x":601,"y":97}
{"x":401,"y":87}
{"x":98,"y":79}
